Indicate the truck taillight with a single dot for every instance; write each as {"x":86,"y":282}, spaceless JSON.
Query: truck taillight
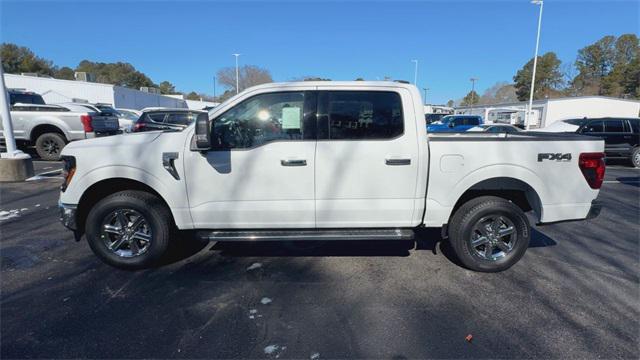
{"x":86,"y":123}
{"x":592,"y":167}
{"x":68,"y":170}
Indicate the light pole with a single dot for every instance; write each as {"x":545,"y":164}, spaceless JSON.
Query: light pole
{"x":214,"y":88}
{"x":535,"y":64}
{"x":415,"y":73}
{"x":425,"y":95}
{"x":473,"y":91}
{"x":237,"y":74}
{"x":10,"y":141}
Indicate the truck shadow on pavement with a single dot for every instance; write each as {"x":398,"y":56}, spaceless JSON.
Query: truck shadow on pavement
{"x":426,"y":239}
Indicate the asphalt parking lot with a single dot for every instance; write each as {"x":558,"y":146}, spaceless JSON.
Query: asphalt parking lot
{"x":575,"y":294}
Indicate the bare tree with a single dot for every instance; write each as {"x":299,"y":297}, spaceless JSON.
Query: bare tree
{"x":249,"y":75}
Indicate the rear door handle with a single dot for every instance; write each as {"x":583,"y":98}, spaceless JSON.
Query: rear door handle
{"x":396,"y":162}
{"x":293,"y":162}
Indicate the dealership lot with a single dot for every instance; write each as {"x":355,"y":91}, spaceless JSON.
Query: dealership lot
{"x":574,"y":294}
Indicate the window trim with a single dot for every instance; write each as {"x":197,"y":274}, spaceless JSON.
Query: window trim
{"x":323,"y":101}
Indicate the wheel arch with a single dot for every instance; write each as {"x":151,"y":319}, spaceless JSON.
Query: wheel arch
{"x":106,"y":187}
{"x":40,"y":129}
{"x":512,"y":189}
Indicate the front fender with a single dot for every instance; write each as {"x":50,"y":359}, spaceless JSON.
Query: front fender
{"x":172,"y":195}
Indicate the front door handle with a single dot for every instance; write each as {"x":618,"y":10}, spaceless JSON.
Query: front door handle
{"x":396,"y":162}
{"x":293,"y":162}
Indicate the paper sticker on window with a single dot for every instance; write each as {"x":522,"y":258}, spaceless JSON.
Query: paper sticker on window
{"x":291,"y":118}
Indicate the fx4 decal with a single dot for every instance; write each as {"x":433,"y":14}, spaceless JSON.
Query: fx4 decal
{"x":556,"y":156}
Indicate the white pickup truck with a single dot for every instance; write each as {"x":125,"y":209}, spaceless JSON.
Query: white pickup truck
{"x":50,"y":127}
{"x":325,"y":161}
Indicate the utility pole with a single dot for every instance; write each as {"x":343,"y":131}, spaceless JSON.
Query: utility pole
{"x":425,"y":95}
{"x":535,"y":63}
{"x":237,"y":74}
{"x":473,"y":93}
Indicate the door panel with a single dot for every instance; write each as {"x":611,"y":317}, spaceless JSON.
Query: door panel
{"x":365,"y":173}
{"x":251,"y":188}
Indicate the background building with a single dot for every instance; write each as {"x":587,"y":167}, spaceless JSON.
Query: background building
{"x":195,"y":104}
{"x":60,"y":91}
{"x":550,"y":110}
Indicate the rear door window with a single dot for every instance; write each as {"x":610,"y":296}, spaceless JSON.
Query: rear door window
{"x":614,"y":126}
{"x":471,"y":121}
{"x":362,"y":115}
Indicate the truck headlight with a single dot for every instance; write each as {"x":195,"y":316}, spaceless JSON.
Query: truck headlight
{"x":68,"y":170}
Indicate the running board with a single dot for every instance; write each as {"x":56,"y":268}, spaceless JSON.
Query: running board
{"x":317,"y":235}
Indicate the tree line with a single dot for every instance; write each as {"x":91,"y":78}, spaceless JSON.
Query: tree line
{"x":608,"y":67}
{"x":19,"y":59}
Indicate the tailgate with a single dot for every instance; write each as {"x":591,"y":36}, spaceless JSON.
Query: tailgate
{"x":103,"y":123}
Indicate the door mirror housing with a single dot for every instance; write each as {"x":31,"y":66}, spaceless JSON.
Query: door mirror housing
{"x":203,"y":133}
{"x":451,"y":124}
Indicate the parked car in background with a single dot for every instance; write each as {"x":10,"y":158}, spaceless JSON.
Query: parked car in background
{"x":621,"y":135}
{"x":455,"y":123}
{"x":165,"y":119}
{"x":432,"y":118}
{"x":495,"y":128}
{"x":128,"y":117}
{"x":50,"y":127}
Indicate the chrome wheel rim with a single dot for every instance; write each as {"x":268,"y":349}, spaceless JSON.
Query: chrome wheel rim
{"x":636,"y":159}
{"x":51,"y":147}
{"x":493,"y":237}
{"x":126,"y":233}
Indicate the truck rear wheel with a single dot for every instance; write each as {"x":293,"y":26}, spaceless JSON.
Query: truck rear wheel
{"x":129,"y":229}
{"x":489,"y":234}
{"x":50,"y":145}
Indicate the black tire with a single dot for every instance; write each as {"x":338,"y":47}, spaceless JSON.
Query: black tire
{"x":635,"y":157}
{"x":477,"y":214}
{"x":50,"y":145}
{"x":157,"y":221}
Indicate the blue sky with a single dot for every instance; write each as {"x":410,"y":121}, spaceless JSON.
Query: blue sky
{"x":186,"y":42}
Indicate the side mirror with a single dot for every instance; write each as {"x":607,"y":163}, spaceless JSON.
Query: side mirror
{"x":203,"y":133}
{"x":451,"y":124}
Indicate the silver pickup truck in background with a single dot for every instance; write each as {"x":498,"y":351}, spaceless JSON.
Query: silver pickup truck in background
{"x":50,"y":127}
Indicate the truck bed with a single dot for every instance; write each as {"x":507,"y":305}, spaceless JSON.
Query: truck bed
{"x":543,"y":165}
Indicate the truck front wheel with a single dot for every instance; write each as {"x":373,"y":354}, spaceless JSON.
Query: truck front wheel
{"x":129,"y":229}
{"x":489,"y":234}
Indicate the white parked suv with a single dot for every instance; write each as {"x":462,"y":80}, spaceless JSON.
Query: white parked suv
{"x":325,"y":161}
